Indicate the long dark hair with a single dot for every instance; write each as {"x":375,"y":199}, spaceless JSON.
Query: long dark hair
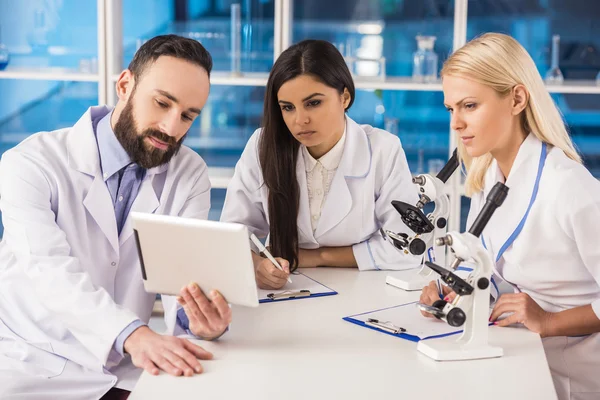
{"x":278,"y":149}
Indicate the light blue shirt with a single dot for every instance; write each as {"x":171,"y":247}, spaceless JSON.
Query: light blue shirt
{"x":123,"y":178}
{"x":113,"y":158}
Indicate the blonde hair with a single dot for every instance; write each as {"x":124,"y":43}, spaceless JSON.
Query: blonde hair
{"x":500,"y":62}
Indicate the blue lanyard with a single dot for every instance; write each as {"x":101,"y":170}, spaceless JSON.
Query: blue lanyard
{"x":519,"y":227}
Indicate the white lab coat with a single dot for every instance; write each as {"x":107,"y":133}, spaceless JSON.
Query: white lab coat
{"x":69,"y":284}
{"x":372,"y":172}
{"x":556,"y":257}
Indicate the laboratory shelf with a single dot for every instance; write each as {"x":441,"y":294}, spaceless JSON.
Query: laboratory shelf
{"x":48,"y":74}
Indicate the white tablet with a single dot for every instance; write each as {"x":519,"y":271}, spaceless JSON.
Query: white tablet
{"x":176,"y":251}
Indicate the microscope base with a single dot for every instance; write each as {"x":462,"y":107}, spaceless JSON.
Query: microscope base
{"x":449,"y":349}
{"x":410,"y":279}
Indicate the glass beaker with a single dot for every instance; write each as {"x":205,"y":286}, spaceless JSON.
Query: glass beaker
{"x":554,"y":75}
{"x":38,"y":37}
{"x":425,"y":60}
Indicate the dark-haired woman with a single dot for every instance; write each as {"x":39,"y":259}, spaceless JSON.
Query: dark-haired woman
{"x":313,"y":180}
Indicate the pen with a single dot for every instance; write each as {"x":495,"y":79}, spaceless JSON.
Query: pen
{"x":263,"y":250}
{"x":440,"y":291}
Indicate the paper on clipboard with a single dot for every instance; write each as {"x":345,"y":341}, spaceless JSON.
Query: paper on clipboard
{"x":408,"y":317}
{"x":296,"y":290}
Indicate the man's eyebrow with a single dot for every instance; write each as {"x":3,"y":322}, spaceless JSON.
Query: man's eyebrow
{"x":174,"y":100}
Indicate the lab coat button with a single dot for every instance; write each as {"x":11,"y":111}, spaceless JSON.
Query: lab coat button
{"x":113,"y":263}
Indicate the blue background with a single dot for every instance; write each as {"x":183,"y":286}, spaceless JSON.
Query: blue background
{"x":60,"y":33}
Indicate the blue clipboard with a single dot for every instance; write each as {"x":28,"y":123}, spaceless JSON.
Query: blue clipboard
{"x":408,"y":317}
{"x":302,"y":287}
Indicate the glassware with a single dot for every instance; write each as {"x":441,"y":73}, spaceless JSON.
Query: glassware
{"x":435,"y":166}
{"x":391,"y":125}
{"x":236,"y":39}
{"x":554,"y":75}
{"x":597,"y":78}
{"x":4,"y":55}
{"x":425,"y":60}
{"x":38,"y":37}
{"x":421,"y":162}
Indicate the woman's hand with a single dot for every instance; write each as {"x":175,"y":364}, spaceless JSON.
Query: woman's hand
{"x":430,"y":294}
{"x":524,"y":311}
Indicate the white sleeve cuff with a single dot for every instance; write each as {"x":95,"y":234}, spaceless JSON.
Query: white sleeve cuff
{"x":364,"y":256}
{"x":596,"y":308}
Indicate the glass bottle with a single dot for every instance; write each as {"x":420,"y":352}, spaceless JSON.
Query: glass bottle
{"x":236,"y":39}
{"x":425,"y":60}
{"x":554,"y":76}
{"x":4,"y":55}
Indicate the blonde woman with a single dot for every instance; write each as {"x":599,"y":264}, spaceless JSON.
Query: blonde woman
{"x":545,"y":237}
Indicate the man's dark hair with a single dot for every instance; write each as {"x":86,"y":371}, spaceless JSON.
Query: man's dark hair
{"x":173,"y":46}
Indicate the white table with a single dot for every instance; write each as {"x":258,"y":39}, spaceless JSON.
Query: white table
{"x":303,"y":350}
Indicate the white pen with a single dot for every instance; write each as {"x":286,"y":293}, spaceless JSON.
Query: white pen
{"x":263,"y":249}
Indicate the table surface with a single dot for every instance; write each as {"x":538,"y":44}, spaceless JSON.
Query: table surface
{"x":302,"y":349}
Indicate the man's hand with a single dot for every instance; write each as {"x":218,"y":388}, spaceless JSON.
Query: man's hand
{"x":208,"y":318}
{"x":154,"y":352}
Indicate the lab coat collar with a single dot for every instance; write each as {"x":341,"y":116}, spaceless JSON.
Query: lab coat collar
{"x":357,"y":157}
{"x":83,"y":156}
{"x":82,"y":147}
{"x":330,"y":160}
{"x":354,"y":164}
{"x":521,"y":182}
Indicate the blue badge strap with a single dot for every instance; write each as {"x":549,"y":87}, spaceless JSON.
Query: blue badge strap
{"x":519,"y":227}
{"x":536,"y":186}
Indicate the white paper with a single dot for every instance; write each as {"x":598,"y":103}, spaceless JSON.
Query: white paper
{"x":299,"y":282}
{"x":409,"y":317}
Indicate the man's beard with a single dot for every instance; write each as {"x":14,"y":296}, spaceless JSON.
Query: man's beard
{"x":135,"y":144}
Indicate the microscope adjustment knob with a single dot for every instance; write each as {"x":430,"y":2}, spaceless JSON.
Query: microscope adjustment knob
{"x":483,"y":283}
{"x":444,"y":241}
{"x":456,"y":317}
{"x":419,"y":180}
{"x":417,"y":247}
{"x":441,"y":223}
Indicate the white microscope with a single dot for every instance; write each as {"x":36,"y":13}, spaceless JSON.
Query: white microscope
{"x":472,"y":302}
{"x":426,"y":228}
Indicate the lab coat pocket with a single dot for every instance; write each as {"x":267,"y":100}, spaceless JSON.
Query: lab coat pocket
{"x":33,"y":359}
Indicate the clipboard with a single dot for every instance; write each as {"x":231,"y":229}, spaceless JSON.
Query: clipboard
{"x":303,"y":287}
{"x":403,"y":321}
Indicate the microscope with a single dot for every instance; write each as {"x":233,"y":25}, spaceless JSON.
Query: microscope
{"x":426,"y":227}
{"x":472,"y":302}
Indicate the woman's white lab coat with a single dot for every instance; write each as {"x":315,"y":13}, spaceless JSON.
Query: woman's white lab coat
{"x":372,"y":172}
{"x":69,"y":284}
{"x":556,"y":257}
